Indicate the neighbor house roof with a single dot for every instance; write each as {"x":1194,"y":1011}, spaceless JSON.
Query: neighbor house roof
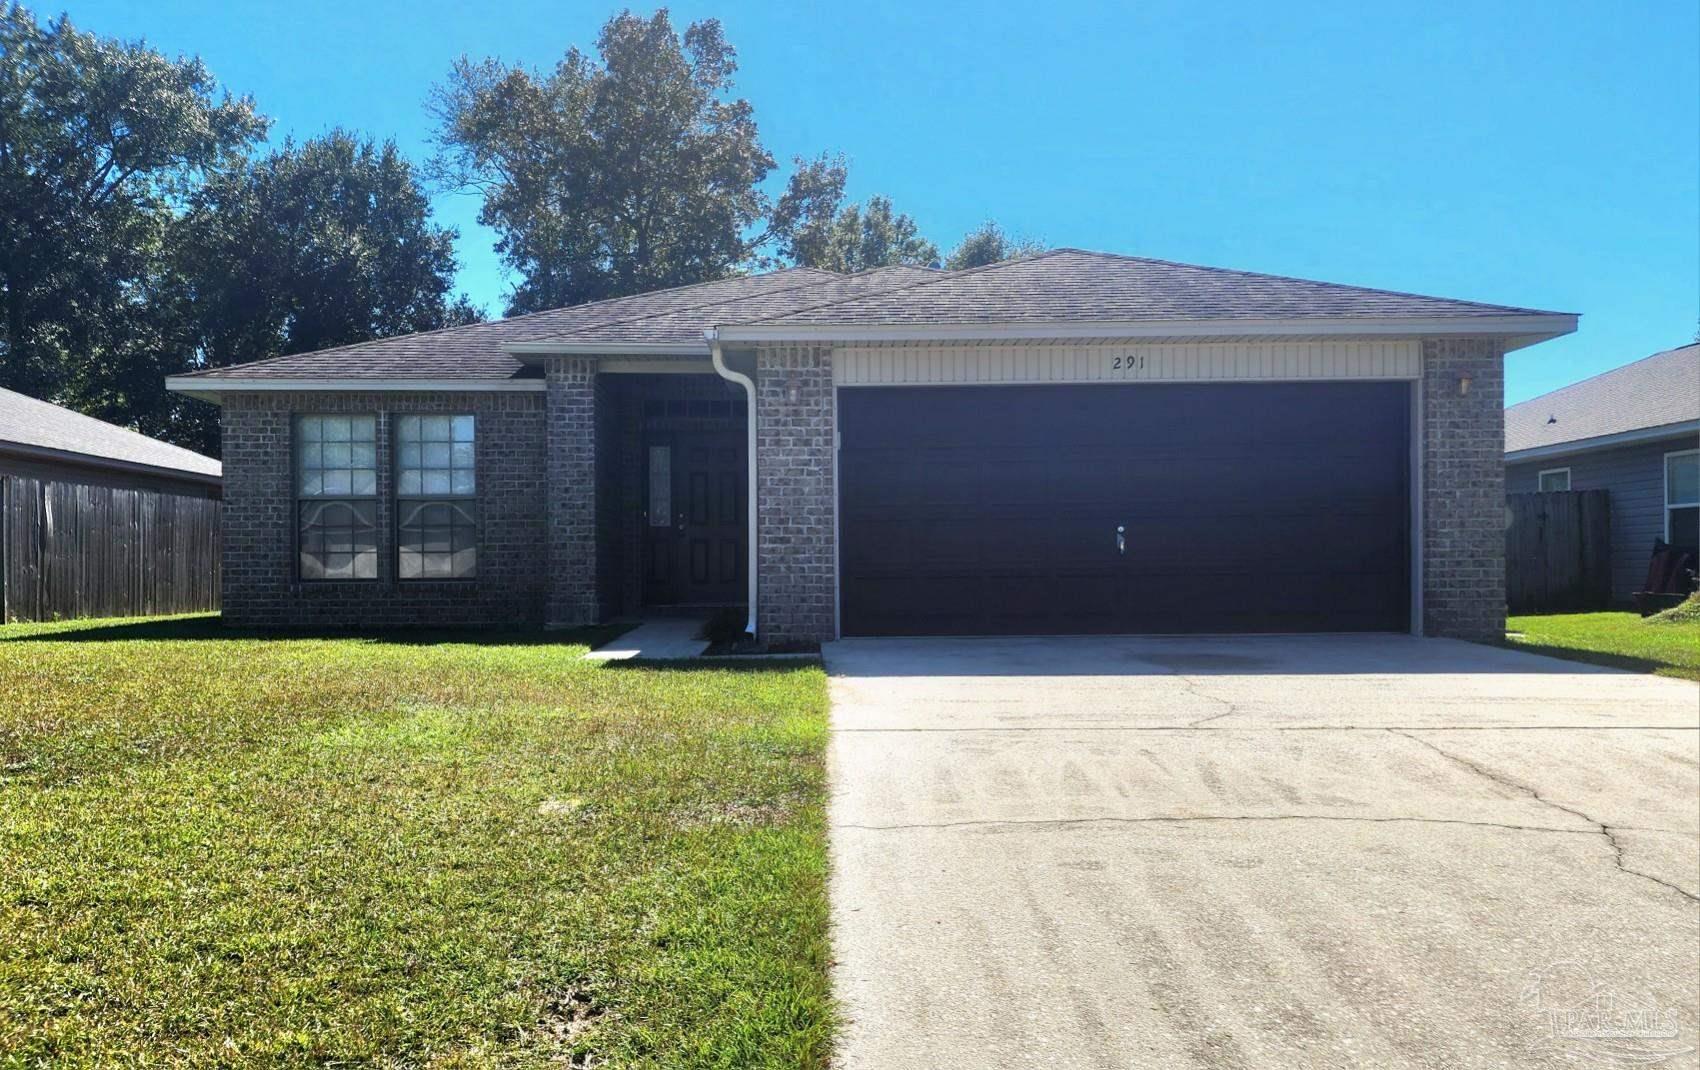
{"x":1652,"y":397}
{"x":1075,"y":289}
{"x":43,"y":429}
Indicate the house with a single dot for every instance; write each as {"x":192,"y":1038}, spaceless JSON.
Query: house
{"x":48,"y":442}
{"x":98,"y":520}
{"x":1633,"y":431}
{"x":1064,"y":443}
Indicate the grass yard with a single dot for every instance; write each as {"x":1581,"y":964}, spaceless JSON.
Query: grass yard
{"x":432,"y":851}
{"x":1669,"y":646}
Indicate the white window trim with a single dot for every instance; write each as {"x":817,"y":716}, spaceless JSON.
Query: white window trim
{"x":1543,"y":473}
{"x":1669,"y":505}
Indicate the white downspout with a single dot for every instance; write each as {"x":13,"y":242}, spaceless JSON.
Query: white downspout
{"x":749,"y":386}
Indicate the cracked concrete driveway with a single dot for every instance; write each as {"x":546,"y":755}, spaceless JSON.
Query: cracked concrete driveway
{"x":1262,"y":852}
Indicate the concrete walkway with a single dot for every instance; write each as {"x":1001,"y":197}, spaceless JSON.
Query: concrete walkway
{"x":662,"y":638}
{"x":1258,"y":852}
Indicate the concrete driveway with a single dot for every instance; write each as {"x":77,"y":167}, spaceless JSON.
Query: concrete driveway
{"x":1262,"y":852}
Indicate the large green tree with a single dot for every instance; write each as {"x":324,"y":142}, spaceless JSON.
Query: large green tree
{"x":638,"y":169}
{"x":98,"y":140}
{"x":859,"y":237}
{"x":315,"y":245}
{"x":987,"y":244}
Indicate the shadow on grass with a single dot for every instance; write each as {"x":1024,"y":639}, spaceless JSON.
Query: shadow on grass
{"x":212,"y":628}
{"x":751,"y":663}
{"x":1626,"y":662}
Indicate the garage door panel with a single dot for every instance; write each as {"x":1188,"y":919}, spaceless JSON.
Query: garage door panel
{"x":1247,"y":507}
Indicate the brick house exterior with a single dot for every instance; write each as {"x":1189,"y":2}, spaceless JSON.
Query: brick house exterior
{"x":612,"y":471}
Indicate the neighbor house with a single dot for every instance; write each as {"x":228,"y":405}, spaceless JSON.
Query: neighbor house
{"x":1633,"y":431}
{"x":1070,"y":442}
{"x":98,"y":520}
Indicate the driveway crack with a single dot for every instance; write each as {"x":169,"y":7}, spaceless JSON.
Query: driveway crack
{"x":1195,"y":689}
{"x":1209,"y":818}
{"x":1599,"y":827}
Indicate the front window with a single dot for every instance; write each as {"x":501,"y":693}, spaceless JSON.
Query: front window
{"x":1682,"y":499}
{"x":336,"y":497}
{"x":436,"y":498}
{"x":1555,"y":479}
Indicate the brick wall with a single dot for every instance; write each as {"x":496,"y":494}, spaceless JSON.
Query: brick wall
{"x":794,"y":467}
{"x":1463,"y":537}
{"x":571,"y":560}
{"x":260,"y":585}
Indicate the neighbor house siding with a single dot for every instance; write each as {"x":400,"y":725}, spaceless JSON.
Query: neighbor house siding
{"x":1635,"y":477}
{"x":260,"y":584}
{"x":1463,"y":498}
{"x":796,"y":523}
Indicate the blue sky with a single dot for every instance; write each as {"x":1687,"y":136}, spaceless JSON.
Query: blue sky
{"x":1538,"y":154}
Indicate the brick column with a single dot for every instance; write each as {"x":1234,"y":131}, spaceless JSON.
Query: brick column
{"x":571,"y":444}
{"x":1463,"y":536}
{"x":796,"y":518}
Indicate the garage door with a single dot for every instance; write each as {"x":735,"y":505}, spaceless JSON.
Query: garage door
{"x":1032,"y":510}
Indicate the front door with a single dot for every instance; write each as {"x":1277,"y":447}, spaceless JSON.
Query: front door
{"x":694,"y":519}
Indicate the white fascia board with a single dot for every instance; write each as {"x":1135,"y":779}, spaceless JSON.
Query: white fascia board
{"x":1523,"y":329}
{"x":208,"y":389}
{"x":531,"y":351}
{"x":1599,"y":442}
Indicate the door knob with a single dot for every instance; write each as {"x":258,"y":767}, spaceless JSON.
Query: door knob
{"x":1121,"y":540}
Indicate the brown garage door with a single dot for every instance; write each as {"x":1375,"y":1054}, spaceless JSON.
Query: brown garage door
{"x":1055,"y":510}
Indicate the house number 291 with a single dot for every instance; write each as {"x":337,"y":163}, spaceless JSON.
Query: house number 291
{"x":1128,"y":363}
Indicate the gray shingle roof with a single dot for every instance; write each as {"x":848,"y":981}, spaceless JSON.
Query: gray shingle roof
{"x":1652,"y":392}
{"x":1063,"y":285}
{"x":25,"y":421}
{"x":1073,"y":285}
{"x":475,"y":351}
{"x":687,"y":326}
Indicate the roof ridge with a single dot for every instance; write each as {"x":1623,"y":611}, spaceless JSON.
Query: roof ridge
{"x":483,"y":324}
{"x":1602,"y":374}
{"x":1311,"y":282}
{"x":942,"y":277}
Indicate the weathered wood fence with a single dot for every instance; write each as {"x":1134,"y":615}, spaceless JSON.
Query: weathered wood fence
{"x":1558,"y":551}
{"x":73,"y":550}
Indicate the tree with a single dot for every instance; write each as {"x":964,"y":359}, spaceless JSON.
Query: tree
{"x":862,"y":237}
{"x":98,"y":140}
{"x":988,"y":244}
{"x":315,"y":245}
{"x":631,"y":172}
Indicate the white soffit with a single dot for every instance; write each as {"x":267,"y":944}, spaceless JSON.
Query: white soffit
{"x":1167,"y":362}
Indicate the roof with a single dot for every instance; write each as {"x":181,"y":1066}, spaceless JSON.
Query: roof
{"x":40,"y":426}
{"x":477,"y":351}
{"x":1656,"y":392}
{"x":1074,"y":285}
{"x":1062,"y":286}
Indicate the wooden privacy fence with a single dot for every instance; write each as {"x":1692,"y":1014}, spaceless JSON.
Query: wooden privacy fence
{"x":1558,"y":551}
{"x":73,"y":550}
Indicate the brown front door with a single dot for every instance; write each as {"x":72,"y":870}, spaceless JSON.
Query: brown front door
{"x":694,"y":520}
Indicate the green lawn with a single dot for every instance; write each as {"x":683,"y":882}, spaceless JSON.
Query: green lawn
{"x":441,"y":851}
{"x":1667,"y":647}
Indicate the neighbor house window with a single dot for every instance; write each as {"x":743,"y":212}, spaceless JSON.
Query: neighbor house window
{"x":1682,"y":499}
{"x":436,"y":498}
{"x":336,"y":497}
{"x":1554,"y":479}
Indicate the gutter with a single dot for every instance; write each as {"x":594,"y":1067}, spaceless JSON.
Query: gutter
{"x":1586,"y":445}
{"x":111,"y":464}
{"x":713,"y":338}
